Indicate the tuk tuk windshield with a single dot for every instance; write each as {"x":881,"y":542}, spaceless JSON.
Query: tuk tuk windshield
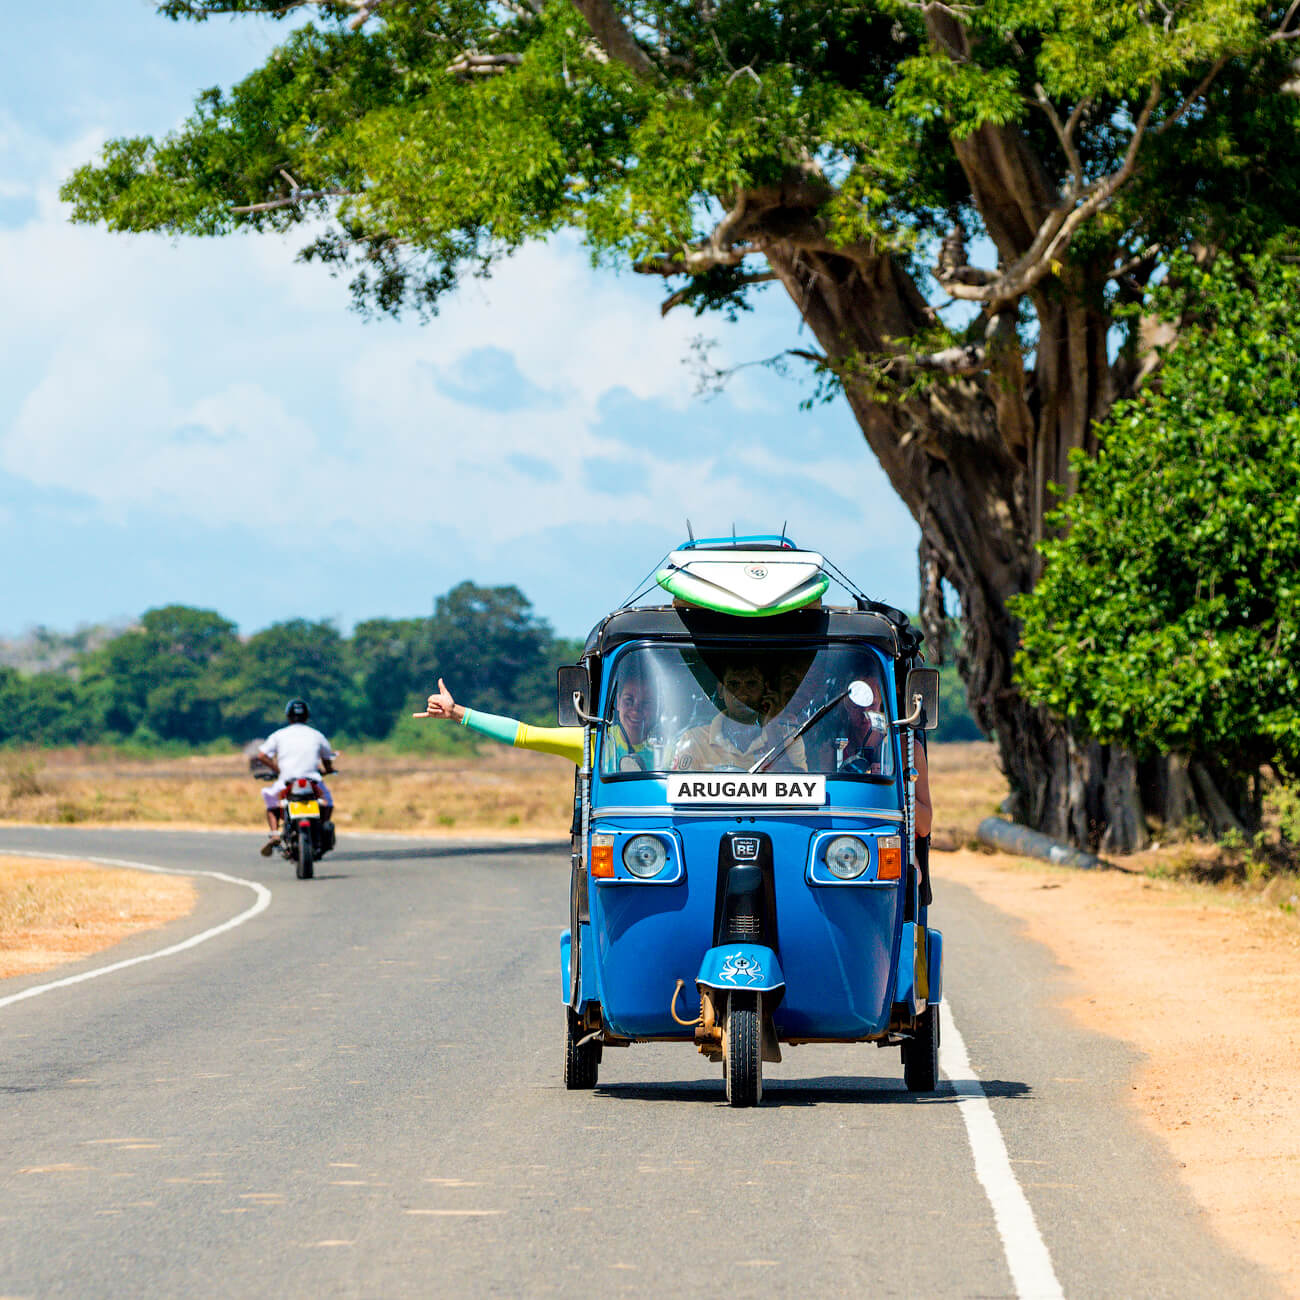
{"x":675,"y":708}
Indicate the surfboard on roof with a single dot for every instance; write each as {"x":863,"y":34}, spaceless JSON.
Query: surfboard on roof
{"x":751,"y":577}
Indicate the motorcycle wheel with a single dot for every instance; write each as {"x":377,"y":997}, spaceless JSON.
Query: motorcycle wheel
{"x":742,"y":1062}
{"x":304,"y":854}
{"x":921,"y":1054}
{"x":581,"y":1060}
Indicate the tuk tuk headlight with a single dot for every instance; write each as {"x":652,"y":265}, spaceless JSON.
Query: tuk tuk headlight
{"x":644,"y":856}
{"x":846,"y":857}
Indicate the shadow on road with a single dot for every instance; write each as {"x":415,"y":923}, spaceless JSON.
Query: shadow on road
{"x":836,"y":1089}
{"x":423,"y":851}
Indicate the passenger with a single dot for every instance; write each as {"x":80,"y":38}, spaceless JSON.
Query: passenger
{"x":635,"y":713}
{"x":743,"y":731}
{"x":628,"y":735}
{"x":868,"y":733}
{"x":924,"y":812}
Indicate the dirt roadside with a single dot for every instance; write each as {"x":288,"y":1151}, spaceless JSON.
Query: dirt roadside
{"x":1207,"y":988}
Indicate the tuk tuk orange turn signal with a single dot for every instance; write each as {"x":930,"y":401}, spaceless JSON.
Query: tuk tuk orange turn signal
{"x":889,"y":859}
{"x":602,"y":856}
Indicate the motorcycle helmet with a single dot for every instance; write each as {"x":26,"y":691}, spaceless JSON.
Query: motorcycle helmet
{"x":297,"y":711}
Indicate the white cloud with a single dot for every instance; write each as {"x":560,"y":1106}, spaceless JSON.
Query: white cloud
{"x":219,"y":383}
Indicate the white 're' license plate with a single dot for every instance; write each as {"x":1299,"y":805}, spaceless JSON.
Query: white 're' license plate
{"x":311,"y":809}
{"x":743,"y":788}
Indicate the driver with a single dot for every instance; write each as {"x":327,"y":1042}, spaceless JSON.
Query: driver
{"x":743,"y":731}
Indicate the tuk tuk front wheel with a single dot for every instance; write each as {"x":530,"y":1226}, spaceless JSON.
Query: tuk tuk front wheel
{"x":921,"y":1053}
{"x":742,"y":1058}
{"x":581,"y":1060}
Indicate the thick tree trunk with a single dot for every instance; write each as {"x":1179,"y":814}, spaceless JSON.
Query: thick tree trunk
{"x":974,"y":460}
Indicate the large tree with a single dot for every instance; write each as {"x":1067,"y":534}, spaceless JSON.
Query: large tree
{"x":1036,"y":160}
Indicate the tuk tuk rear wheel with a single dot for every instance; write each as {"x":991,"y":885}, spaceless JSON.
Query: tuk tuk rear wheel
{"x":742,"y":1061}
{"x":581,"y":1060}
{"x":921,"y":1054}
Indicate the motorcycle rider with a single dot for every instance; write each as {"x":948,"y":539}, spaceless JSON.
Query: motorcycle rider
{"x":295,"y":751}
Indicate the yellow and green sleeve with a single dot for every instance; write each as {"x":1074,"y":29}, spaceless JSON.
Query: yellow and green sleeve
{"x":564,"y":741}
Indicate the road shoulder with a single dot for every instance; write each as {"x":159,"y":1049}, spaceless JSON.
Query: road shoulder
{"x":54,"y":912}
{"x":1207,"y":991}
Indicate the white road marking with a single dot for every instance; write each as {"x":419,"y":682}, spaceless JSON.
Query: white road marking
{"x":1027,"y":1255}
{"x":262,"y":903}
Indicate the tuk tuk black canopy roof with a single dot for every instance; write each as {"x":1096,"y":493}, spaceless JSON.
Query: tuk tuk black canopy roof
{"x":680,"y":622}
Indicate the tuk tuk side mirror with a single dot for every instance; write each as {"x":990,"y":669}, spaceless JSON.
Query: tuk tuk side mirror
{"x":571,"y":681}
{"x":922,"y":683}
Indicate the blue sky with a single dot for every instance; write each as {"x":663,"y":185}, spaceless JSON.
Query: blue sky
{"x":206,"y":421}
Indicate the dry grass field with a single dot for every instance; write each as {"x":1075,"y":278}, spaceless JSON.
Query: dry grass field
{"x":499,"y":789}
{"x":495,"y":790}
{"x":52,"y":912}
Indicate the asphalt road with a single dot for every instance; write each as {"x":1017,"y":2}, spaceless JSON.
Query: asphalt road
{"x":357,"y":1092}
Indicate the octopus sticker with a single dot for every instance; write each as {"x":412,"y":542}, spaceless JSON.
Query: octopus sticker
{"x":737,"y":967}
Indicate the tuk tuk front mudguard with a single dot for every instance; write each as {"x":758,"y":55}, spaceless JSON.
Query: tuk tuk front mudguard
{"x":920,"y":968}
{"x":747,"y":967}
{"x":586,"y":965}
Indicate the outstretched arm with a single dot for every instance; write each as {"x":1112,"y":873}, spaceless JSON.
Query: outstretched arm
{"x":565,"y":741}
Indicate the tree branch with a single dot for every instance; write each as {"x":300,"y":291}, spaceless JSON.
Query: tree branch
{"x":364,"y":8}
{"x":292,"y":200}
{"x":1194,"y":96}
{"x":613,"y":37}
{"x":1059,"y":227}
{"x":483,"y":65}
{"x":954,"y":272}
{"x":686,"y":293}
{"x":1065,"y":133}
{"x":961,"y":359}
{"x":722,"y":248}
{"x":1134,"y":262}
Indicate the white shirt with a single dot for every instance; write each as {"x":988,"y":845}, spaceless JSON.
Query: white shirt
{"x":298,"y":749}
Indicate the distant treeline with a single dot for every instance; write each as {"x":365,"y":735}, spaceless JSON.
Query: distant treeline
{"x":184,"y":676}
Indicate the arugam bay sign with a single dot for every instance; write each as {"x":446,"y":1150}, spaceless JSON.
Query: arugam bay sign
{"x":747,"y":788}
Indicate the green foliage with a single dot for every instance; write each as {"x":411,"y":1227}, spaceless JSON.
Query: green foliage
{"x":43,"y":708}
{"x":488,"y":642}
{"x":161,"y":674}
{"x":295,"y":658}
{"x":1168,"y":614}
{"x":184,"y":678}
{"x":393,"y":665}
{"x":425,"y":170}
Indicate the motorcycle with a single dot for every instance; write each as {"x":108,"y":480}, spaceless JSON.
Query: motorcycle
{"x":305,"y":835}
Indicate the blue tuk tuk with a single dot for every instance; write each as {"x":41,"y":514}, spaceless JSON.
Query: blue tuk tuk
{"x":744,"y":872}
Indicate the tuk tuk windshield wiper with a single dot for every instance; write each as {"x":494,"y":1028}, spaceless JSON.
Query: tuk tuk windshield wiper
{"x":855,"y":692}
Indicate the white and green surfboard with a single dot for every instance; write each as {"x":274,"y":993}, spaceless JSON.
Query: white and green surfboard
{"x":749,"y":584}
